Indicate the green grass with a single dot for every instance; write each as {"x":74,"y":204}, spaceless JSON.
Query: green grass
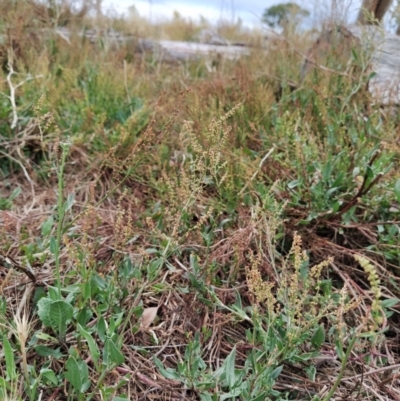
{"x":171,"y":232}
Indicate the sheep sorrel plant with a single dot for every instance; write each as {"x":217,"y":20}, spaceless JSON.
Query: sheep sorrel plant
{"x":287,"y":321}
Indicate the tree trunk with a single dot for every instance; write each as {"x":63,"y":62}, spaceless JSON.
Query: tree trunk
{"x":375,"y":9}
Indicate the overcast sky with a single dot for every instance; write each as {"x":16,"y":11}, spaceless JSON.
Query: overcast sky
{"x":249,"y":11}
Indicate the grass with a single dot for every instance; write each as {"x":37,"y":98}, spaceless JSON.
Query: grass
{"x":172,"y":232}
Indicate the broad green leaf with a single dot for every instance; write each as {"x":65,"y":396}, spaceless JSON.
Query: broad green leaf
{"x":69,"y":202}
{"x":305,"y":357}
{"x":43,"y":311}
{"x":73,"y":374}
{"x":15,"y":193}
{"x":9,"y":357}
{"x":311,"y":372}
{"x":44,"y":336}
{"x":318,"y":337}
{"x":47,"y":226}
{"x":52,"y":293}
{"x":87,"y":290}
{"x":84,"y":315}
{"x":205,"y":397}
{"x":232,"y":394}
{"x":49,"y":375}
{"x":53,"y":245}
{"x":42,"y":350}
{"x":230,"y":368}
{"x":94,"y":350}
{"x":276,"y":372}
{"x":394,"y":230}
{"x":77,"y":374}
{"x":293,"y":184}
{"x":111,"y":353}
{"x":326,"y":171}
{"x":339,"y":349}
{"x":60,"y":314}
{"x":168,"y":373}
{"x":261,"y":397}
{"x":331,"y":191}
{"x":390,"y":302}
{"x":102,"y":328}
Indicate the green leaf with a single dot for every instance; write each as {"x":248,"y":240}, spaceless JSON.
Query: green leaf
{"x":73,"y":374}
{"x":390,"y":302}
{"x":53,"y":245}
{"x":84,"y":315}
{"x":77,"y":374}
{"x":319,"y":337}
{"x":111,"y":354}
{"x":47,"y":226}
{"x":102,"y":328}
{"x":339,"y":349}
{"x":232,"y":394}
{"x":230,"y":368}
{"x":293,"y":184}
{"x":397,"y":190}
{"x":9,"y":357}
{"x":94,"y":350}
{"x":276,"y":372}
{"x":261,"y":397}
{"x":44,"y":336}
{"x":326,"y":171}
{"x":53,"y":293}
{"x":15,"y":193}
{"x":305,"y":357}
{"x":168,"y":373}
{"x":311,"y":372}
{"x":205,"y":397}
{"x":331,"y":191}
{"x":394,"y":230}
{"x":60,"y":314}
{"x":49,"y":375}
{"x":69,"y":202}
{"x":87,"y":290}
{"x":42,"y":350}
{"x":43,"y":311}
{"x":354,"y":54}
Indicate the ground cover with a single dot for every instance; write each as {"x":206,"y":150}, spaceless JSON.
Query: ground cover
{"x":175,"y":231}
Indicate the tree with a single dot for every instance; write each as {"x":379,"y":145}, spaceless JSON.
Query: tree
{"x":282,"y":14}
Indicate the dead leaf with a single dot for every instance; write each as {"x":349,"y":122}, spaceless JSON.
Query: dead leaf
{"x":149,"y":314}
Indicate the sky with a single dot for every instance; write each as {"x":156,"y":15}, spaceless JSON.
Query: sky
{"x":250,"y":11}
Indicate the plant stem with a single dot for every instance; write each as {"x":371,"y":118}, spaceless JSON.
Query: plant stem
{"x":343,"y":367}
{"x":60,"y":213}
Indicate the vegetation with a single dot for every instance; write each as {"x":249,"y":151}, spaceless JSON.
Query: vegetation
{"x":173,"y":231}
{"x":283,"y":14}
